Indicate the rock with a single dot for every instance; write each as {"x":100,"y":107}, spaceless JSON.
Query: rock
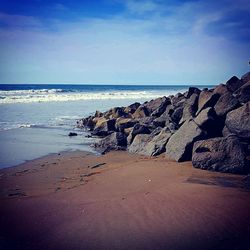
{"x":137,"y":129}
{"x":178,"y":100}
{"x":208,"y":121}
{"x":238,"y":122}
{"x":190,"y":108}
{"x":219,"y":154}
{"x":98,"y":113}
{"x":123,"y":123}
{"x":243,"y":93}
{"x":86,"y":123}
{"x":127,"y":131}
{"x":72,"y":134}
{"x":132,"y":108}
{"x":114,"y":141}
{"x":104,"y":127}
{"x":115,"y":113}
{"x":177,"y":115}
{"x":226,"y":103}
{"x":191,"y":91}
{"x":141,"y":112}
{"x":207,"y":99}
{"x":234,"y":83}
{"x":150,"y":145}
{"x":155,"y":104}
{"x":161,"y":109}
{"x":226,"y":132}
{"x":180,"y":145}
{"x":159,"y":121}
{"x":220,"y":89}
{"x":246,"y":78}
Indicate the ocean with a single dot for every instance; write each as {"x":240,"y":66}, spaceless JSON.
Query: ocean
{"x":35,"y":119}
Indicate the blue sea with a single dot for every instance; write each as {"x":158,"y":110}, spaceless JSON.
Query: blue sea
{"x":35,"y":119}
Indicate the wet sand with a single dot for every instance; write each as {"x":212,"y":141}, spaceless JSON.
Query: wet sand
{"x":120,"y":201}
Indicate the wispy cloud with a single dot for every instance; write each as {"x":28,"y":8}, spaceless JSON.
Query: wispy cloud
{"x":159,"y":43}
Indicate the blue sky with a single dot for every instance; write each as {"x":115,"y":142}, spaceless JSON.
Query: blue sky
{"x":123,"y":42}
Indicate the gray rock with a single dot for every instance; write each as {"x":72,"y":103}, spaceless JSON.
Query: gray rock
{"x":190,"y":108}
{"x":161,"y":109}
{"x":141,"y":112}
{"x":191,"y":91}
{"x":207,"y":99}
{"x":150,"y":145}
{"x":123,"y":123}
{"x":177,"y":115}
{"x":132,"y":108}
{"x":219,"y":154}
{"x":234,"y":83}
{"x":220,"y":89}
{"x":104,"y":127}
{"x":72,"y":134}
{"x":114,"y":141}
{"x":226,"y":103}
{"x":238,"y":121}
{"x":155,"y":104}
{"x":137,"y":129}
{"x":179,"y":146}
{"x":178,"y":100}
{"x":243,"y":93}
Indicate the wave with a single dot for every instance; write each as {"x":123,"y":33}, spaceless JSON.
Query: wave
{"x":60,"y":95}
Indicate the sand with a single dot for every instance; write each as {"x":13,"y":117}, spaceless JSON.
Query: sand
{"x":77,"y":200}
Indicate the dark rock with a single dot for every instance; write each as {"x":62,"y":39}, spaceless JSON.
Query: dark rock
{"x":234,"y":83}
{"x":178,"y":100}
{"x":114,"y":141}
{"x":159,"y":121}
{"x":98,"y":113}
{"x":226,"y":103}
{"x":207,"y":99}
{"x":191,"y":91}
{"x":219,"y":154}
{"x":115,"y":113}
{"x":177,"y":115}
{"x":132,"y":108}
{"x":72,"y":134}
{"x":190,"y":108}
{"x":154,"y":105}
{"x":179,"y":146}
{"x":150,"y":145}
{"x":123,"y":123}
{"x":86,"y":123}
{"x":141,"y":112}
{"x":162,"y":108}
{"x":208,"y":121}
{"x":238,"y":122}
{"x":137,"y":129}
{"x":246,"y":78}
{"x":104,"y":127}
{"x":220,"y":89}
{"x":243,"y":93}
{"x":226,"y":132}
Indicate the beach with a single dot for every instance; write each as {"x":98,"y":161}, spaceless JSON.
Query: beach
{"x":78,"y":200}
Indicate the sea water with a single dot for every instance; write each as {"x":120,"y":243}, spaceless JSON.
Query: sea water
{"x":35,"y":119}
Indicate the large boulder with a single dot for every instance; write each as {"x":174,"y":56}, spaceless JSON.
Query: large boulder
{"x":190,"y":108}
{"x":219,"y":154}
{"x":207,"y":99}
{"x":180,"y":145}
{"x":137,"y":129}
{"x":220,"y":89}
{"x":191,"y":91}
{"x":132,"y":108}
{"x":115,"y":113}
{"x":161,"y":109}
{"x":226,"y":103}
{"x":150,"y":145}
{"x":154,"y":105}
{"x":234,"y":83}
{"x":87,"y":122}
{"x":243,"y":93}
{"x":114,"y":141}
{"x":238,"y":121}
{"x":104,"y":127}
{"x":177,"y":115}
{"x":141,"y":112}
{"x":123,"y":123}
{"x":178,"y":100}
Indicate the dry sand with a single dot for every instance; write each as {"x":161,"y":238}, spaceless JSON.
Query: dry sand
{"x":130,"y":202}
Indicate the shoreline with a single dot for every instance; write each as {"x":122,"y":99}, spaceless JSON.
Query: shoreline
{"x":77,"y":200}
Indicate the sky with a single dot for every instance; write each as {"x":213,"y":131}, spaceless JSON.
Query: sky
{"x":123,"y":41}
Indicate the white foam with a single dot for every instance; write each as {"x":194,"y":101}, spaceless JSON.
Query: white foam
{"x":58,"y":95}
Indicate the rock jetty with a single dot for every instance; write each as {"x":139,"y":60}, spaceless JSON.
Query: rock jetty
{"x":211,"y":127}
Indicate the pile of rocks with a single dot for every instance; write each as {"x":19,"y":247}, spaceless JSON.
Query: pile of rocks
{"x":211,"y":127}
